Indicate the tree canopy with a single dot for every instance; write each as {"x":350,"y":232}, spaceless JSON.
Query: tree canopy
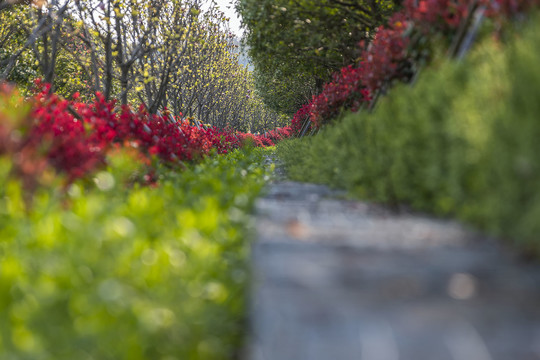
{"x":308,"y":38}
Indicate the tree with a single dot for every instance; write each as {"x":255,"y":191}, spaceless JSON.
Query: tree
{"x":12,"y":37}
{"x":40,"y":22}
{"x":171,"y":38}
{"x":116,"y":34}
{"x":47,"y":48}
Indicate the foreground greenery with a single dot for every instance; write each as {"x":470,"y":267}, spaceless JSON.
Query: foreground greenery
{"x":463,"y":142}
{"x":107,"y":272}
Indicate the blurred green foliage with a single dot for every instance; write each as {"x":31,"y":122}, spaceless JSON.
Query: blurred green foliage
{"x":112,"y":272}
{"x":463,"y":141}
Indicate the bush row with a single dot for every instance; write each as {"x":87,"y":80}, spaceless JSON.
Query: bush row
{"x":73,"y":138}
{"x":462,"y":141}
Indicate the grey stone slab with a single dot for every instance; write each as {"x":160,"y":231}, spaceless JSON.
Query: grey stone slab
{"x":340,"y":279}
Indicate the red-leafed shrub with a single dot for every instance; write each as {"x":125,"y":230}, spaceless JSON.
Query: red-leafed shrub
{"x":436,"y":15}
{"x":73,"y":138}
{"x":279,"y":134}
{"x":300,"y":118}
{"x":345,"y":91}
{"x":384,"y":58}
{"x":256,"y":140}
{"x":68,"y":145}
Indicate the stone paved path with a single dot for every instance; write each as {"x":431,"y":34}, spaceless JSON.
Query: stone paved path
{"x":345,"y":280}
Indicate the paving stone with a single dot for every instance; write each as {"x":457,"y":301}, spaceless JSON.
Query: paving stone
{"x":338,"y":279}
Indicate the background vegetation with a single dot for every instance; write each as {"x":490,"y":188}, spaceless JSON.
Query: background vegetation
{"x":461,"y":141}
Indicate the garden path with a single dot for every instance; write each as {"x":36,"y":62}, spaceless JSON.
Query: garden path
{"x":336,"y":279}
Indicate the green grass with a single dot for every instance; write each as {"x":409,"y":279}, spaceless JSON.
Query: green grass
{"x":462,"y":142}
{"x":140,"y":273}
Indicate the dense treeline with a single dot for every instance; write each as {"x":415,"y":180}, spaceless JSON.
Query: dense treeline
{"x":166,"y":54}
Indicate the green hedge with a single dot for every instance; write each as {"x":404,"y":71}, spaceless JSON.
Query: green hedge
{"x":463,"y":141}
{"x":141,"y":273}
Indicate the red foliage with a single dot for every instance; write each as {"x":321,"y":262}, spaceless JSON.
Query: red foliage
{"x":257,"y":140}
{"x":345,"y":91}
{"x":299,"y":118}
{"x":382,"y":59}
{"x":66,"y":143}
{"x":436,"y":15}
{"x":279,"y":134}
{"x":74,"y":138}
